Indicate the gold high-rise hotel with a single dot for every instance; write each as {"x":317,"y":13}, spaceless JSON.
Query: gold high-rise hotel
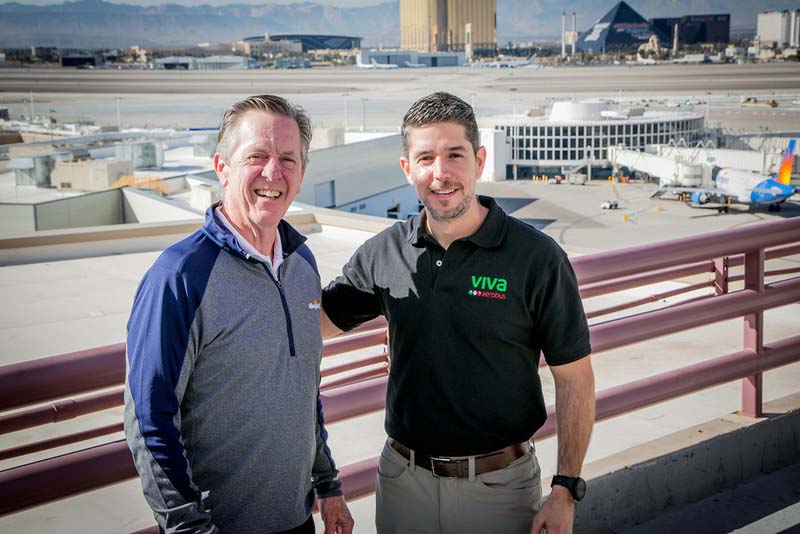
{"x":440,"y":25}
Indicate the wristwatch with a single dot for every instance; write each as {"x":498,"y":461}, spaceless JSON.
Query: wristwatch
{"x":575,"y":485}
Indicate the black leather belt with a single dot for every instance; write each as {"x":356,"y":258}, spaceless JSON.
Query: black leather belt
{"x":458,"y":466}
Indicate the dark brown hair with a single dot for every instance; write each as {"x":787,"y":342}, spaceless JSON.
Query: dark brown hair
{"x":440,"y":107}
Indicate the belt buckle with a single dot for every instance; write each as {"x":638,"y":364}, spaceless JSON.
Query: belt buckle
{"x":443,"y":460}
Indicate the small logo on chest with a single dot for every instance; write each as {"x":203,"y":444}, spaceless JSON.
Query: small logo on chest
{"x":488,"y":287}
{"x":313,"y":305}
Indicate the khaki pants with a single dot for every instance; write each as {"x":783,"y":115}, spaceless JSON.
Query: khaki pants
{"x":409,"y":499}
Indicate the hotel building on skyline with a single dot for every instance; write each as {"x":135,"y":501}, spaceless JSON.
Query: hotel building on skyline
{"x":440,"y":25}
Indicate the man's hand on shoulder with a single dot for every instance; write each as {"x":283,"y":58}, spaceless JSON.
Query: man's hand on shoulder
{"x":335,"y":516}
{"x":557,"y":514}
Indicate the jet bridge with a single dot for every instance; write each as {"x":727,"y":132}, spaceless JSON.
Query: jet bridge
{"x":692,"y":166}
{"x":670,"y":171}
{"x":762,"y":162}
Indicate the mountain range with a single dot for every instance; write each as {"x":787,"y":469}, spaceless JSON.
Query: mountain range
{"x":99,"y":24}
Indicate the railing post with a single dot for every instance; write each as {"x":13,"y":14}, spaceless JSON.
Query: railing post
{"x":753,"y":334}
{"x":721,"y":275}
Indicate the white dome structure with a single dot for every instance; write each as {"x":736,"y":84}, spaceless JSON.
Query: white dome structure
{"x":579,"y":133}
{"x":576,"y":111}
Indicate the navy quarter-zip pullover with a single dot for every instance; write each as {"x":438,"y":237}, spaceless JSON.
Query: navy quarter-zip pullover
{"x":222,"y":408}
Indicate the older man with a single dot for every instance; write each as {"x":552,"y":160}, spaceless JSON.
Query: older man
{"x":222,"y":408}
{"x":471,"y":296}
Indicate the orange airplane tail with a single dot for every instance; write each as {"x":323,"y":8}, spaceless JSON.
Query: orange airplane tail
{"x":785,"y":172}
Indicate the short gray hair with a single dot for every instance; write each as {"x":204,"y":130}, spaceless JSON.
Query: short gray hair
{"x":440,"y":107}
{"x":269,"y":104}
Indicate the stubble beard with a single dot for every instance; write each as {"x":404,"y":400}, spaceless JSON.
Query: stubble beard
{"x":448,"y":214}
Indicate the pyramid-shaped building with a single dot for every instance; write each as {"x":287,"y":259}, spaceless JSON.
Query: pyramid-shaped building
{"x":621,"y":28}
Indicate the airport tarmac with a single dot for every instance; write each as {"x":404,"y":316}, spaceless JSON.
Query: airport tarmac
{"x":573,"y":216}
{"x":358,"y":98}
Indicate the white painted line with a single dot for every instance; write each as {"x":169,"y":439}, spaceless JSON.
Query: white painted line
{"x":780,"y":521}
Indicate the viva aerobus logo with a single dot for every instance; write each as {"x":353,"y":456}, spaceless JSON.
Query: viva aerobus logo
{"x":488,"y":287}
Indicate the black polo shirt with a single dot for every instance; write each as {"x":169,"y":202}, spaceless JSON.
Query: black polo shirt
{"x":466,"y":326}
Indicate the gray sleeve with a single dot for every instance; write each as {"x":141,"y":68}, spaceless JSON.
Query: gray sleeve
{"x":173,"y":512}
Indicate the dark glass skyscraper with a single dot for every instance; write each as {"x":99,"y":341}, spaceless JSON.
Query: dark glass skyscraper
{"x":696,"y":29}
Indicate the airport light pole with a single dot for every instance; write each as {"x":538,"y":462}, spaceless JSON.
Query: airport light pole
{"x":363,"y":113}
{"x":119,"y":123}
{"x":345,"y":95}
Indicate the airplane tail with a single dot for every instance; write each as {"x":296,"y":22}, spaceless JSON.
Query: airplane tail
{"x":785,"y":170}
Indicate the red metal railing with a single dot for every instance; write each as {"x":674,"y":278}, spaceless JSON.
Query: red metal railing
{"x":363,"y":390}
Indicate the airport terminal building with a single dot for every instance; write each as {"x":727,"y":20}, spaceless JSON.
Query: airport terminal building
{"x":311,"y":42}
{"x":577,"y":134}
{"x":411,"y":58}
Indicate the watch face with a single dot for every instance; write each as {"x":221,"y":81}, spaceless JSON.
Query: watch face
{"x":579,"y":489}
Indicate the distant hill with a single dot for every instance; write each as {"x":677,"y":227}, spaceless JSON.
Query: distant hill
{"x":98,"y":24}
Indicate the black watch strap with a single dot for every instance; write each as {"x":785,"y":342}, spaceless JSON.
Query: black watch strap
{"x":575,"y":485}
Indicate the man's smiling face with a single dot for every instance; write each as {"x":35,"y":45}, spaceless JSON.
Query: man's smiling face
{"x":262,"y":170}
{"x":442,"y":165}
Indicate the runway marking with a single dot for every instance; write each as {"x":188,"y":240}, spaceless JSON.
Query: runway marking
{"x":780,"y":521}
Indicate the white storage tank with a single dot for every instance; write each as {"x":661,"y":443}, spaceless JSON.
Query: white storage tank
{"x":576,"y":111}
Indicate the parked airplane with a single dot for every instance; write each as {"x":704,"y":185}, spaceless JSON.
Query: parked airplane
{"x":415,"y":65}
{"x":505,"y":64}
{"x":744,"y":187}
{"x":375,"y":65}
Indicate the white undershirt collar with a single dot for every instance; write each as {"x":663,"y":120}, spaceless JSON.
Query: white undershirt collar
{"x":277,"y":248}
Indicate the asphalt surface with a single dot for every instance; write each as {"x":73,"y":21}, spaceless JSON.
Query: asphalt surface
{"x":610,"y":79}
{"x":768,"y":504}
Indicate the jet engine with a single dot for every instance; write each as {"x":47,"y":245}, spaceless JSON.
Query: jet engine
{"x":700,"y":197}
